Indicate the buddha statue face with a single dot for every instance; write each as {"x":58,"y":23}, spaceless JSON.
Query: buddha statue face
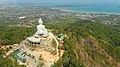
{"x":40,"y":21}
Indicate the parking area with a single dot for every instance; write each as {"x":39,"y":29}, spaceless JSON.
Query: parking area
{"x":32,"y":58}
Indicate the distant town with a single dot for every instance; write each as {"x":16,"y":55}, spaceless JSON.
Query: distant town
{"x":30,"y":14}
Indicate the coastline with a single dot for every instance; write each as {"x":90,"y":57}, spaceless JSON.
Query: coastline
{"x":65,"y":10}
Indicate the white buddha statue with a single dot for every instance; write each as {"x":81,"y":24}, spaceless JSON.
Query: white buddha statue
{"x":41,"y":31}
{"x":40,"y":21}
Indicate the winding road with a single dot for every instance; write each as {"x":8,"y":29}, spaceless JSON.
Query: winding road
{"x":56,"y":46}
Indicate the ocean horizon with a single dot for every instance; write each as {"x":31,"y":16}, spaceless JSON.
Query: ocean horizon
{"x":109,"y":8}
{"x":95,"y":8}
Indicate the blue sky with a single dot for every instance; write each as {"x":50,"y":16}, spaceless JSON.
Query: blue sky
{"x":59,"y":1}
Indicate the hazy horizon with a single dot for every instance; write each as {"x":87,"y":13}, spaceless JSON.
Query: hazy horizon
{"x":57,"y":1}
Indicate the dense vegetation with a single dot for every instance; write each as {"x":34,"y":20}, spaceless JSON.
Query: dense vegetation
{"x":3,"y":62}
{"x":9,"y":61}
{"x":90,"y":44}
{"x":9,"y":36}
{"x":87,"y":43}
{"x":13,"y":35}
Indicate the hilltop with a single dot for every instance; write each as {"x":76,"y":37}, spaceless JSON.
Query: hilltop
{"x":90,"y":44}
{"x":91,"y":39}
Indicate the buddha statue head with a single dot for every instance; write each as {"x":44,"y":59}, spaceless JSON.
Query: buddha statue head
{"x":40,"y":21}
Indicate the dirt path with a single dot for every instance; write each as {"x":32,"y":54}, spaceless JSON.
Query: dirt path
{"x":56,"y":46}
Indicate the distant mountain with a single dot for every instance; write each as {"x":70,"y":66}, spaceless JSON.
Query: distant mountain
{"x":74,"y":6}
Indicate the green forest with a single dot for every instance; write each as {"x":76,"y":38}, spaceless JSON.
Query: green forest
{"x":14,"y":35}
{"x":90,"y":44}
{"x":9,"y":36}
{"x":87,"y":43}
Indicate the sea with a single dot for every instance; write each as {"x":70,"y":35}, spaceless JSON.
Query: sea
{"x":113,"y":8}
{"x":96,"y":8}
